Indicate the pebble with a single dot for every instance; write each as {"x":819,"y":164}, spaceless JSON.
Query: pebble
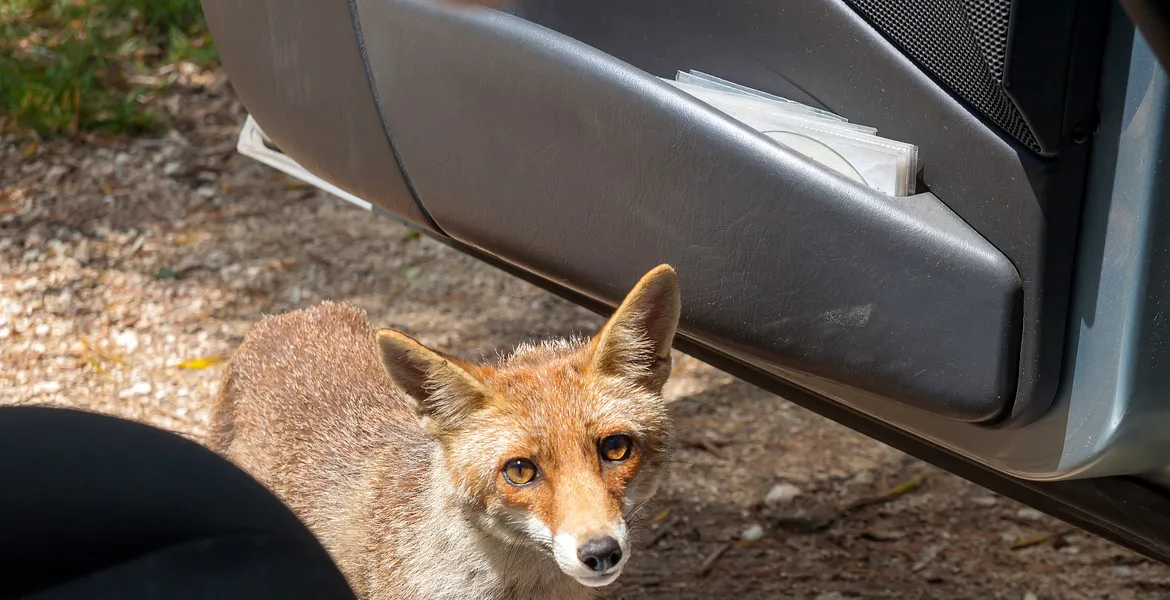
{"x":830,"y":596}
{"x":56,"y":172}
{"x":1123,"y":572}
{"x":46,"y":387}
{"x":781,"y":493}
{"x":984,"y":501}
{"x":127,"y":340}
{"x":1030,"y":514}
{"x":862,"y":478}
{"x":141,"y":388}
{"x":753,"y":533}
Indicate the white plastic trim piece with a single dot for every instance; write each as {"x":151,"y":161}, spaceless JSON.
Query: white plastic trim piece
{"x":252,"y":143}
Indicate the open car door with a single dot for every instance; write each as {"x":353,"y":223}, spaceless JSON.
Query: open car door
{"x":1006,"y":321}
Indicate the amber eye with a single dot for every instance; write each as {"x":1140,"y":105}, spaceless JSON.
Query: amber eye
{"x":616,"y":448}
{"x":519,"y":471}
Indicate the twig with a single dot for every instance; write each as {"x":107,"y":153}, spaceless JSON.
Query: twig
{"x":928,"y":556}
{"x":704,"y":567}
{"x":711,"y":445}
{"x":662,"y":531}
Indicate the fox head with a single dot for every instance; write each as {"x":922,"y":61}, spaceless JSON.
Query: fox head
{"x":558,"y":444}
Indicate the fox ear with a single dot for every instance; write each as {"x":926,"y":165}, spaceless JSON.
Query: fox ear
{"x":635,"y":343}
{"x":442,"y":388}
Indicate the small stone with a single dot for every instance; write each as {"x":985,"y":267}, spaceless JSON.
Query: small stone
{"x":56,"y":172}
{"x":1123,"y":572}
{"x":985,"y":501}
{"x":753,"y":533}
{"x":830,"y":596}
{"x":83,"y":252}
{"x":781,"y":493}
{"x":1070,"y":550}
{"x":807,"y":521}
{"x":862,"y":478}
{"x":46,"y":387}
{"x":42,"y":330}
{"x":879,"y":535}
{"x":1030,"y":514}
{"x":127,"y":340}
{"x":141,"y":388}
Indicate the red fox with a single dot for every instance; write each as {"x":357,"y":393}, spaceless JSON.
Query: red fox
{"x":429,"y":477}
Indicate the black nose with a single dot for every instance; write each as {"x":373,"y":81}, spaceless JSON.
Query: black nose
{"x":600,"y":554}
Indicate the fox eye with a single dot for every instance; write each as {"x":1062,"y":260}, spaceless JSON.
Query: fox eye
{"x":519,"y":471}
{"x":616,"y":448}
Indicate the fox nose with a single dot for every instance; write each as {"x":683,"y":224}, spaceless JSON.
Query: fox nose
{"x":600,"y":553}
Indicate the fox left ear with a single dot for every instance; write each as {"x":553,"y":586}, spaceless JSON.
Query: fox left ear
{"x":635,"y":343}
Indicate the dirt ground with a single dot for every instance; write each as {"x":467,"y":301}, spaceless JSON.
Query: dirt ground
{"x":128,"y":268}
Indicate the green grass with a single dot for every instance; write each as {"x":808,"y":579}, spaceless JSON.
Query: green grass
{"x":73,"y":66}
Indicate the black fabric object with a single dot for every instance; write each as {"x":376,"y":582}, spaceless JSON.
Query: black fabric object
{"x":110,"y":508}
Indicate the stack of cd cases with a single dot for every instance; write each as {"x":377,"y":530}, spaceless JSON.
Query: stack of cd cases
{"x":855,"y":151}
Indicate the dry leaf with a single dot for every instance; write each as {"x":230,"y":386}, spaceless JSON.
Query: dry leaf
{"x":905,"y":487}
{"x":30,"y":149}
{"x":1030,"y":540}
{"x":660,"y":517}
{"x":200,"y":363}
{"x":94,"y":357}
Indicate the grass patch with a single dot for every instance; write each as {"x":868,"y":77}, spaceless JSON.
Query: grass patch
{"x":71,"y":66}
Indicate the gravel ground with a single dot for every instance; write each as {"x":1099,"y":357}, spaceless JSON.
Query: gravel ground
{"x":130,"y":268}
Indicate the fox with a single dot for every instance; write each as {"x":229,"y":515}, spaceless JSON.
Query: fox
{"x":426,"y":476}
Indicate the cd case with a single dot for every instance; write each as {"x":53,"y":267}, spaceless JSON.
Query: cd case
{"x":855,"y":151}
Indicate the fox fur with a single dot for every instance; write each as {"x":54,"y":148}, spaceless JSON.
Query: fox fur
{"x":394,"y":454}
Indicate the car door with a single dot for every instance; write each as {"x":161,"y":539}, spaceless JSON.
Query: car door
{"x":1005,"y":322}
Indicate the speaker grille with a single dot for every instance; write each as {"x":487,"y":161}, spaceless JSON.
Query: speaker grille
{"x":962,"y":43}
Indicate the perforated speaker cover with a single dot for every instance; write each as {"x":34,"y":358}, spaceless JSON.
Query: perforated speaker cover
{"x":962,"y":43}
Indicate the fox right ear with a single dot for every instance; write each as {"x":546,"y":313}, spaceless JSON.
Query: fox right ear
{"x":635,"y":343}
{"x":443,"y":389}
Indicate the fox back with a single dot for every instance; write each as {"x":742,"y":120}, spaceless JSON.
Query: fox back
{"x":426,"y":476}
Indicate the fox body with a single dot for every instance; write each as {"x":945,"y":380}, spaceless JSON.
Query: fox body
{"x":429,"y":477}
